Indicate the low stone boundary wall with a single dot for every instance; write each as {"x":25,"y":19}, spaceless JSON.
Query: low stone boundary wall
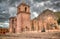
{"x":32,"y":35}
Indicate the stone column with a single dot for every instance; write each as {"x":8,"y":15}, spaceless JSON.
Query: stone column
{"x":15,"y":21}
{"x":18,"y":27}
{"x":40,"y":25}
{"x":56,"y":25}
{"x":45,"y":26}
{"x":10,"y":26}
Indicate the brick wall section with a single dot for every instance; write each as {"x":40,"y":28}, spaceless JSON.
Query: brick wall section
{"x":3,"y":31}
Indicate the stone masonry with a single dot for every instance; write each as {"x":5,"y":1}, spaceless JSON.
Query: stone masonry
{"x":22,"y":22}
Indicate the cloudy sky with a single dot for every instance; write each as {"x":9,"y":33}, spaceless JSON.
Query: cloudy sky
{"x":8,"y":8}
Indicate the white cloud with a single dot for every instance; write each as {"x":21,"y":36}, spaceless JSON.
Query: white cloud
{"x":4,"y":24}
{"x":53,"y":9}
{"x":12,"y":11}
{"x":39,"y":4}
{"x":42,"y":3}
{"x":35,"y":14}
{"x":31,"y":1}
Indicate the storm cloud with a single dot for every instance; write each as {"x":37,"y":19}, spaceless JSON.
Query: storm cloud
{"x":8,"y":8}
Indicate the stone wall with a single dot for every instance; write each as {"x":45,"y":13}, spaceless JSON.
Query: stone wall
{"x":33,"y":35}
{"x":12,"y":24}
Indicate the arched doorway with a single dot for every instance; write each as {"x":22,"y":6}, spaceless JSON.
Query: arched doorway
{"x":26,"y":28}
{"x":43,"y":29}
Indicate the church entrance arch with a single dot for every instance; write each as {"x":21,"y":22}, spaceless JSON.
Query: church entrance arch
{"x":43,"y":29}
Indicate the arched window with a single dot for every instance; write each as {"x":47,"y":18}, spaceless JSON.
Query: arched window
{"x":12,"y":21}
{"x":25,"y":9}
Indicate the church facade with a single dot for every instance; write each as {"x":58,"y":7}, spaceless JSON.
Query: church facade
{"x":22,"y":22}
{"x":47,"y":20}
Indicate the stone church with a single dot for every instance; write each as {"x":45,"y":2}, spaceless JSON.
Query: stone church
{"x":22,"y":22}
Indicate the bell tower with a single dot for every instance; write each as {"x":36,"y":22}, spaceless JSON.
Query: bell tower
{"x":23,"y":18}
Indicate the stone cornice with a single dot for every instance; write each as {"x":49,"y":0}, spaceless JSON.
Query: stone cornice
{"x":23,"y":12}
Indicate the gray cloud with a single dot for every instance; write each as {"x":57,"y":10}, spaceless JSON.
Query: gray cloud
{"x":40,"y":0}
{"x":4,"y":12}
{"x":55,"y":4}
{"x":8,"y":7}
